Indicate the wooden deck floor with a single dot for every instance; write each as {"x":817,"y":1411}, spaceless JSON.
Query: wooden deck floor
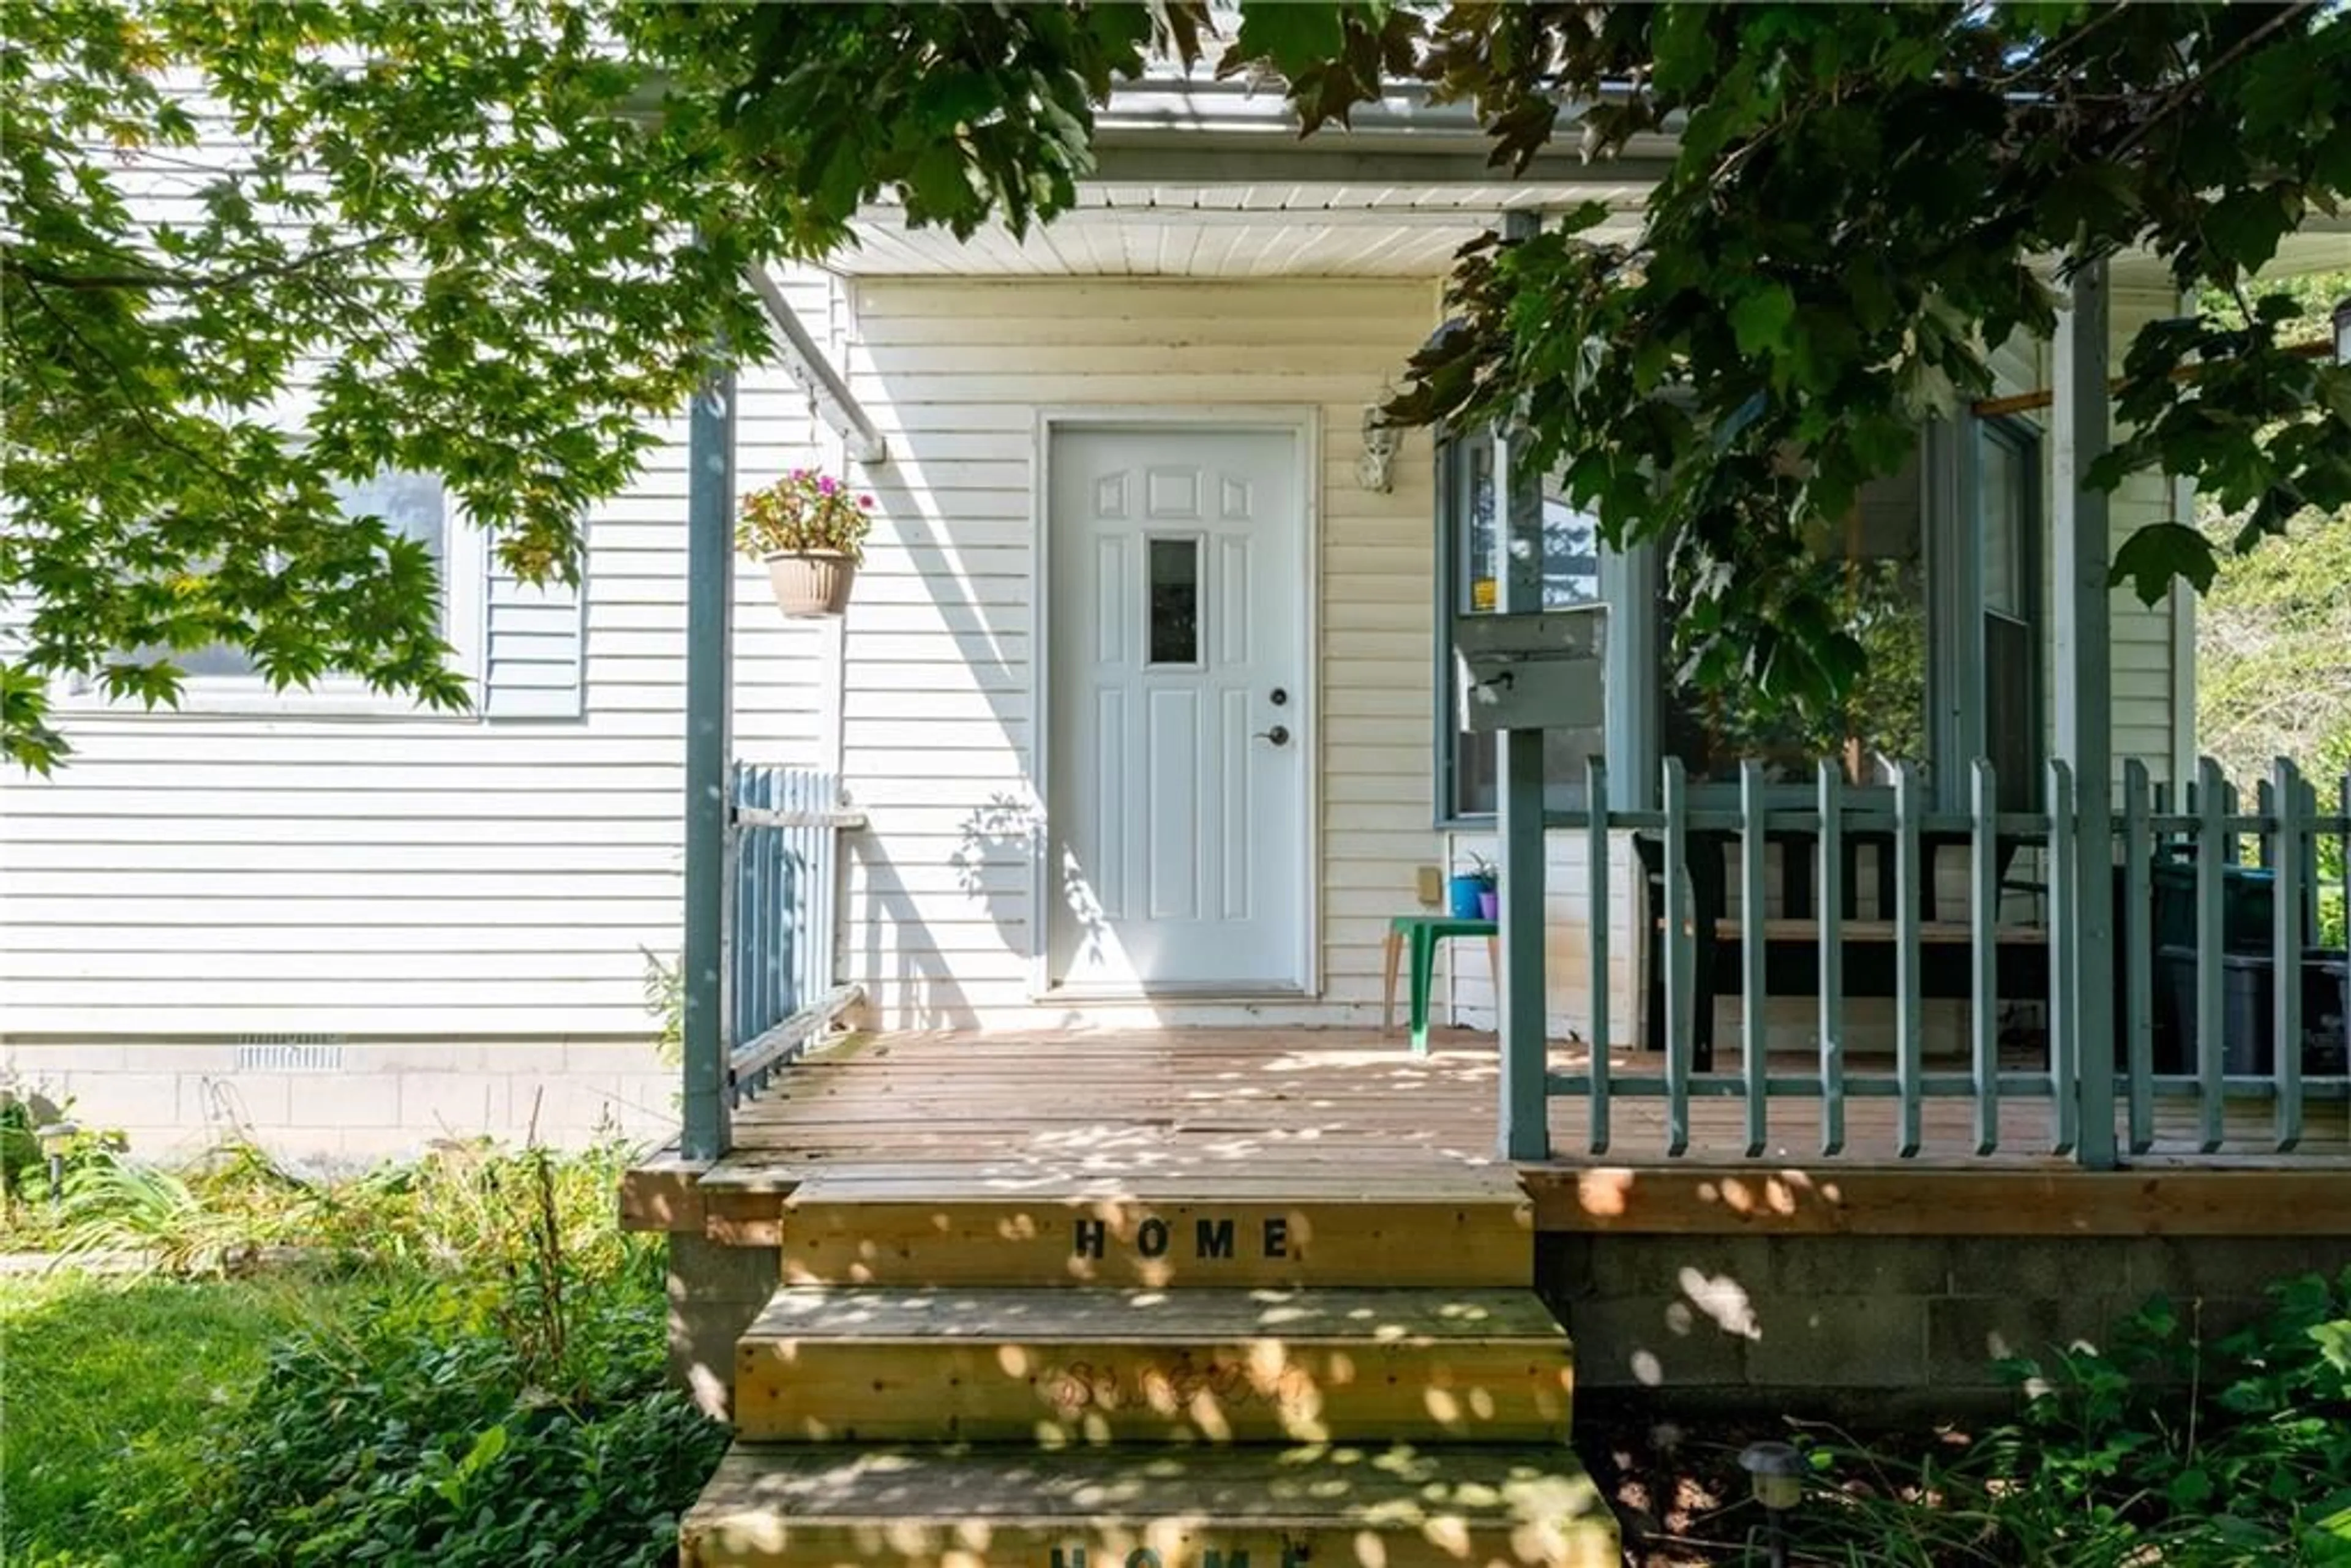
{"x":1114,"y":1106}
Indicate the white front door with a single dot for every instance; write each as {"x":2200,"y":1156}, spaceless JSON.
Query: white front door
{"x":1179,"y":677}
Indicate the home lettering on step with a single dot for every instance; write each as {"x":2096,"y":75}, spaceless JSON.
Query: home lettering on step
{"x":1211,"y":1239}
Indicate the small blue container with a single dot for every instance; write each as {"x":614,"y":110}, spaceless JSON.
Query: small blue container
{"x":1461,"y":897}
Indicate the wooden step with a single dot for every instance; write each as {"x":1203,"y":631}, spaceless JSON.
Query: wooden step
{"x":1461,"y":1230}
{"x":1093,"y":1365}
{"x":795,"y":1506}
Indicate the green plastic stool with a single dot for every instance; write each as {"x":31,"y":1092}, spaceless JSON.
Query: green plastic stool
{"x":1423,"y":932}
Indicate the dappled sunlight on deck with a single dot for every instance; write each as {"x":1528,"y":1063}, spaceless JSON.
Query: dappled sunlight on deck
{"x":1041,"y":1111}
{"x":1369,"y":1505}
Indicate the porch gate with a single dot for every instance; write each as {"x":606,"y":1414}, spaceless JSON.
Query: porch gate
{"x":781,"y":989}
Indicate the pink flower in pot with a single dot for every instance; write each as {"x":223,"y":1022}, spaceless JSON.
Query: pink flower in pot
{"x":810,"y":533}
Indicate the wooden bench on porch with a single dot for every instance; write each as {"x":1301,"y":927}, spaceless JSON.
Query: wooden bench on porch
{"x":1791,"y":940}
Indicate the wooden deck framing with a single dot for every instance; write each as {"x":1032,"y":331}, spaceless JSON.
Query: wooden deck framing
{"x":1298,"y":1109}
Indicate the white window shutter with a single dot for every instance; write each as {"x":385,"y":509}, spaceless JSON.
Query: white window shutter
{"x":533,"y":666}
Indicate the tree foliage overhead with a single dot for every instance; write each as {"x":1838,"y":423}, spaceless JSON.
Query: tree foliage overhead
{"x":253,"y":253}
{"x":1860,"y":202}
{"x":491,"y":238}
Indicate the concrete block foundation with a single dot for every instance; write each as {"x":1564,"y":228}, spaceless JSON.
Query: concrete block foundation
{"x":714,"y":1291}
{"x":1825,"y":1323}
{"x":332,"y":1103}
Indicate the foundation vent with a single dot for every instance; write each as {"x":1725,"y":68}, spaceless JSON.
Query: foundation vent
{"x":289,"y":1054}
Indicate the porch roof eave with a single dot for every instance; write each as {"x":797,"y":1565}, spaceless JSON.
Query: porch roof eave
{"x":1392,"y":193}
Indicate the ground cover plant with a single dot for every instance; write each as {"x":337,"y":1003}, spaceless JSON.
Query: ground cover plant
{"x":457,"y":1360}
{"x":2166,"y":1448}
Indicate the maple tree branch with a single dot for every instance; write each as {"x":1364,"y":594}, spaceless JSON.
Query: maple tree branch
{"x":122,"y":383}
{"x":2186,"y":91}
{"x":191,"y":282}
{"x":2057,"y":47}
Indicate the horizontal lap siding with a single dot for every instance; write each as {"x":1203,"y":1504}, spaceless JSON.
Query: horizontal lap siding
{"x":937,"y":727}
{"x":2147,"y":709}
{"x":188,"y":875}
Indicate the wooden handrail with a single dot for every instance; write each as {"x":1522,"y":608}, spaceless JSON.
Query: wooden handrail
{"x":2025,"y":403}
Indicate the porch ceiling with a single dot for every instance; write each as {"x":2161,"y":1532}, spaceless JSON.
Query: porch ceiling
{"x":1268,"y":229}
{"x":1207,"y":178}
{"x":1330,"y":228}
{"x":1202,"y":177}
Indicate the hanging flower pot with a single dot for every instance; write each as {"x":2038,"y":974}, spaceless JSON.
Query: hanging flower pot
{"x":811,"y":531}
{"x":811,"y":582}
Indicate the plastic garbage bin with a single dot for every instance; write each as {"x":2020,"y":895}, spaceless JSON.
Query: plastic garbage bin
{"x":2247,"y":894}
{"x":2326,"y":1014}
{"x":2248,"y":1013}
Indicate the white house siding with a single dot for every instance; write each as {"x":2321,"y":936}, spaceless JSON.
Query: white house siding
{"x":2152,"y":717}
{"x":206,"y":918}
{"x":938,"y":730}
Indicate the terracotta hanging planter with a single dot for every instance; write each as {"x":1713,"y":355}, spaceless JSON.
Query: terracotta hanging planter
{"x":812,"y":583}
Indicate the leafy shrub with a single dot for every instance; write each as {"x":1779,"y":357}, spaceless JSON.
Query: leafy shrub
{"x":466,"y":1206}
{"x":26,"y":1219}
{"x":2159,"y":1448}
{"x":20,"y":1150}
{"x":474,"y":1208}
{"x":508,"y":1407}
{"x":428,"y":1432}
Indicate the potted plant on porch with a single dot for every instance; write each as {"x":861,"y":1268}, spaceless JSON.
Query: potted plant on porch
{"x":1474,"y":893}
{"x":811,"y":532}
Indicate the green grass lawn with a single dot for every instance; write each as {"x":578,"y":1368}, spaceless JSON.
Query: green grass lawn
{"x":108,"y":1388}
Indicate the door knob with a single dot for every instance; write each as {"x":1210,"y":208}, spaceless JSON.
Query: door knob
{"x":1279,"y":735}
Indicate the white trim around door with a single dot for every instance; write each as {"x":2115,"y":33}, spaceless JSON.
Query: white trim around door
{"x":1146,"y":961}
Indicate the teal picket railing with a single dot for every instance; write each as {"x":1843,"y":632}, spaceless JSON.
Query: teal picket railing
{"x":785,"y":829}
{"x":2254,"y":910}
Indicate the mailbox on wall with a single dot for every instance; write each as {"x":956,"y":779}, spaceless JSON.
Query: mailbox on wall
{"x":1541,"y":671}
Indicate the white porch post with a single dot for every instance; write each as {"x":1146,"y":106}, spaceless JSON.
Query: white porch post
{"x":1524,"y":1129}
{"x":2084,"y":647}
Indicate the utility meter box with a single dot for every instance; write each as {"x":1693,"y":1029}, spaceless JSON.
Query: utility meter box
{"x":1539,"y":671}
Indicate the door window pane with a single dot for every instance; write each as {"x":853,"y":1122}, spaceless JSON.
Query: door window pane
{"x":1571,"y":567}
{"x":1481,"y":553}
{"x":1571,"y":563}
{"x":2005,"y":503}
{"x":1174,"y":585}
